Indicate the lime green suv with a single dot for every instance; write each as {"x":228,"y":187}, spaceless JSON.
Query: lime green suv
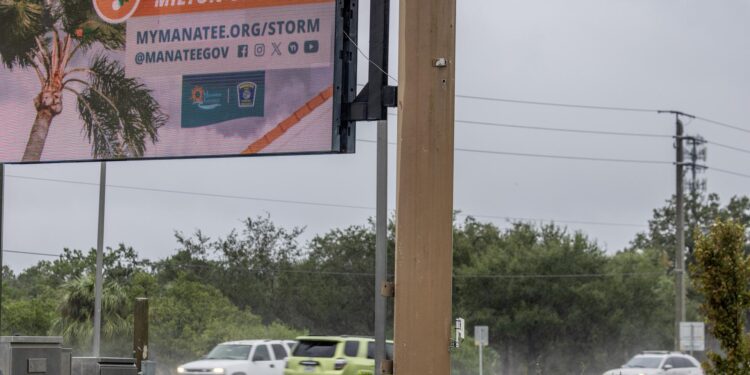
{"x":334,"y":355}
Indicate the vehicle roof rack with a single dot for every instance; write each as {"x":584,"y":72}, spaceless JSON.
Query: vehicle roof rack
{"x":659,"y":352}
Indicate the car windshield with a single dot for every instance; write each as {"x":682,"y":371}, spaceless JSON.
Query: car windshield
{"x":225,"y":351}
{"x":315,"y":349}
{"x":643,"y":362}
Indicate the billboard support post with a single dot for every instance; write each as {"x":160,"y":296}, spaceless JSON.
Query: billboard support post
{"x":373,"y":101}
{"x":99,"y":260}
{"x":381,"y":245}
{"x":424,"y":191}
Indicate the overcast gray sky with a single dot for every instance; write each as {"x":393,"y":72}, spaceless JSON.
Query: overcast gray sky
{"x":663,"y":54}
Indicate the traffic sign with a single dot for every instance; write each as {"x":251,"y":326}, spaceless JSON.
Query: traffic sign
{"x":481,"y":335}
{"x":692,"y":336}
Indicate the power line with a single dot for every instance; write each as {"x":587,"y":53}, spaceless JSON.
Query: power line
{"x":550,"y":156}
{"x":724,"y":124}
{"x":566,"y":105}
{"x":729,"y":172}
{"x":584,"y":222}
{"x":739,"y":149}
{"x":564,"y":130}
{"x":572,"y":157}
{"x":565,"y":157}
{"x":585,"y":131}
{"x":210,"y":195}
{"x":596,"y":107}
{"x":31,"y":253}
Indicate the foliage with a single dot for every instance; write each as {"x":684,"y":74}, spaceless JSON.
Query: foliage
{"x":30,"y":317}
{"x":701,"y":212}
{"x":188,"y":318}
{"x":535,"y":286}
{"x":465,"y":359}
{"x":75,"y":322}
{"x":554,"y":300}
{"x":722,"y":273}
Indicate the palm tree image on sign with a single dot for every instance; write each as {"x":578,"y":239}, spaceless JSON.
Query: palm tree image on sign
{"x":119,"y":114}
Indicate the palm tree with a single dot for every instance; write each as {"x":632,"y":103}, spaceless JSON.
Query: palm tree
{"x":76,"y":320}
{"x":119,"y":114}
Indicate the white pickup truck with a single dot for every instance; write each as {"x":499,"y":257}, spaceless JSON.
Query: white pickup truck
{"x":246,"y":357}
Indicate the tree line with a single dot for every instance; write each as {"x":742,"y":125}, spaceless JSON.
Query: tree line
{"x":554,"y":299}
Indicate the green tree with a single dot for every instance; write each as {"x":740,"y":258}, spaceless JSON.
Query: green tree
{"x":76,"y":320}
{"x":722,"y":274}
{"x":119,"y":114}
{"x":188,"y":318}
{"x":554,"y":301}
{"x":338,"y":274}
{"x":701,"y":212}
{"x":249,"y":266}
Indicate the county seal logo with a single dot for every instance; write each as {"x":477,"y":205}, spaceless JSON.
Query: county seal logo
{"x":115,"y":11}
{"x":246,"y":94}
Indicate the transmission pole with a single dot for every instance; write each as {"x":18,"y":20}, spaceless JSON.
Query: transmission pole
{"x":679,"y":256}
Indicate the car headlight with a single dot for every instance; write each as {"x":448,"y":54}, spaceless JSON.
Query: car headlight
{"x":218,"y":370}
{"x":180,"y":370}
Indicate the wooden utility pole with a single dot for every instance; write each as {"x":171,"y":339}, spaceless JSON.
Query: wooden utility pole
{"x":140,"y":331}
{"x":679,"y":254}
{"x":424,"y":192}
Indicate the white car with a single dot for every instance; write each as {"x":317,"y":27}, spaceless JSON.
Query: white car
{"x":246,"y":357}
{"x":661,"y":363}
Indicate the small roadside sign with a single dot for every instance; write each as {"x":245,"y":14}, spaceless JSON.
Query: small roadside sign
{"x":481,"y":335}
{"x":692,"y":336}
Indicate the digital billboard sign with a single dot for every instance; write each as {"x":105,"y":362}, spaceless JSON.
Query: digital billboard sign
{"x":134,"y":79}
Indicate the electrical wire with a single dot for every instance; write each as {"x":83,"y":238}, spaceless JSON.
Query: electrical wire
{"x":565,"y":105}
{"x":370,"y":208}
{"x":564,"y":130}
{"x":211,"y":195}
{"x":725,"y":171}
{"x":585,"y":131}
{"x":564,"y":157}
{"x":548,"y":156}
{"x":583,"y":222}
{"x":596,"y":107}
{"x":31,"y":253}
{"x":368,"y":58}
{"x":723,"y":124}
{"x":738,"y":149}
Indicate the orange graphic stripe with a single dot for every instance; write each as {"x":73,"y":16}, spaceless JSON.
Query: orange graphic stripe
{"x":290,"y":121}
{"x":162,"y":7}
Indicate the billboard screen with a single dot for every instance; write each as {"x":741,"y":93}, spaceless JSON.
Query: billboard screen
{"x":132,"y":79}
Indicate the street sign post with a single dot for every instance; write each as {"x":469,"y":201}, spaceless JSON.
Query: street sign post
{"x":692,"y":336}
{"x":481,"y":339}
